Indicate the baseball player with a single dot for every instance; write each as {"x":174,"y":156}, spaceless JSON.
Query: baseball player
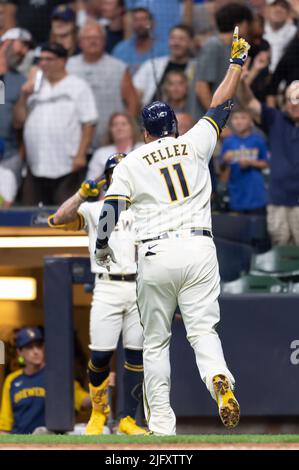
{"x":167,"y":183}
{"x":114,"y":308}
{"x":23,"y":402}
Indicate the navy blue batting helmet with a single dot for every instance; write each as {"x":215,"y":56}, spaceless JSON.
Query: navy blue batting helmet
{"x":159,"y":119}
{"x":111,"y":163}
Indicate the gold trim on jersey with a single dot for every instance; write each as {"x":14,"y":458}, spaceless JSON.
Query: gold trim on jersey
{"x":214,"y":124}
{"x":118,"y":198}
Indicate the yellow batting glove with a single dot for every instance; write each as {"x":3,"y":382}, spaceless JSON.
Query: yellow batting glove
{"x":240,"y":48}
{"x":90,"y":188}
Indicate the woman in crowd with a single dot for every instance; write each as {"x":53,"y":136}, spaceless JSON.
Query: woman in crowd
{"x":122,"y":137}
{"x":175,"y":91}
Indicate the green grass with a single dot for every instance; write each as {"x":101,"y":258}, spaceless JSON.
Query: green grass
{"x":114,"y":439}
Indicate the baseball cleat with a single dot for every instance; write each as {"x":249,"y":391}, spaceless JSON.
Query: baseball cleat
{"x":229,"y":408}
{"x":100,"y":408}
{"x":95,"y":425}
{"x":128,"y":425}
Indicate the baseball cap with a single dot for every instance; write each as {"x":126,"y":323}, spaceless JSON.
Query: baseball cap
{"x":26,"y":336}
{"x":55,"y":48}
{"x":64,"y":13}
{"x":17,"y":34}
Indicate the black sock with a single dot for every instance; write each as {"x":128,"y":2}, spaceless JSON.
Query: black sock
{"x":98,"y":367}
{"x":132,"y":379}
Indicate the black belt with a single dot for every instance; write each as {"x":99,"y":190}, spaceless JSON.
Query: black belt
{"x":192,"y":232}
{"x":118,"y":277}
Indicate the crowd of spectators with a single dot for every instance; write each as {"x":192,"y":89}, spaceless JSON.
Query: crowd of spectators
{"x":77,"y":73}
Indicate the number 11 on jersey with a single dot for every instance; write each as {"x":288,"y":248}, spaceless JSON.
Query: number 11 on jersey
{"x":169,"y":181}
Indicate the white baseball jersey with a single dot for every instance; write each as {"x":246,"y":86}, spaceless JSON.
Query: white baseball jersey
{"x":53,"y":128}
{"x":168,"y":182}
{"x":122,"y":239}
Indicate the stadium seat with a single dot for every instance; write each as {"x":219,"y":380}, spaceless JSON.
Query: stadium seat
{"x":294,"y":288}
{"x":280,"y":262}
{"x":254,"y":284}
{"x":233,"y":258}
{"x":244,"y":229}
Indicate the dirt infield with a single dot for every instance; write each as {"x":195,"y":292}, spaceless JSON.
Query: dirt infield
{"x":132,"y":447}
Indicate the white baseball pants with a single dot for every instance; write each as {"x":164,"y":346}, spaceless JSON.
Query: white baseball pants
{"x":114,"y":311}
{"x":181,"y":272}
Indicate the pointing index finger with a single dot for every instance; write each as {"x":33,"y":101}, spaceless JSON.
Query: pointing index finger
{"x":236,"y":34}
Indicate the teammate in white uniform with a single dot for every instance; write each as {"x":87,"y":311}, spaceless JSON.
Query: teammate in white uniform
{"x":114,"y":308}
{"x":167,"y":184}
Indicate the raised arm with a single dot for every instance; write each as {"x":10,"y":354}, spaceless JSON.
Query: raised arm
{"x":221,"y":104}
{"x":20,"y":110}
{"x":228,"y":88}
{"x":67,"y":217}
{"x":129,"y":94}
{"x":248,"y":100}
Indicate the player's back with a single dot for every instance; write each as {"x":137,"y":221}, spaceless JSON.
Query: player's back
{"x":169,"y":182}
